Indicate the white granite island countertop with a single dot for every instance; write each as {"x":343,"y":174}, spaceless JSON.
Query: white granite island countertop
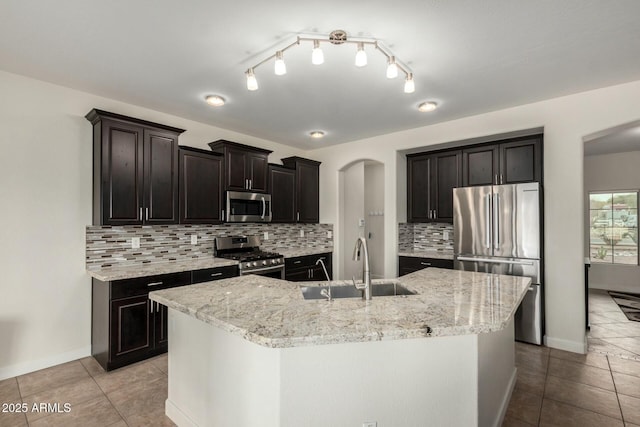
{"x":273,"y":313}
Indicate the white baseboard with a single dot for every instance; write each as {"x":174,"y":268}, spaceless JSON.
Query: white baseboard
{"x":36,"y":365}
{"x":177,"y":416}
{"x":566,"y":345}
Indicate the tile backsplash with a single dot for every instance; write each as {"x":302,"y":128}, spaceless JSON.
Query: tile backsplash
{"x":110,"y":246}
{"x":425,"y":237}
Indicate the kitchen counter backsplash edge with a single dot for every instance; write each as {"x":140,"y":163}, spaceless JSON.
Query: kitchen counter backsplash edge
{"x":110,"y":247}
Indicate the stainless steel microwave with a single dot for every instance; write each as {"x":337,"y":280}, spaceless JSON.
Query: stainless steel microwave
{"x":248,"y":207}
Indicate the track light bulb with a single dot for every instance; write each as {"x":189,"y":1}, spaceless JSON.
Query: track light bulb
{"x":252,"y":83}
{"x":409,"y":84}
{"x":280,"y":68}
{"x":317,"y":57}
{"x":361,"y":56}
{"x":392,"y":68}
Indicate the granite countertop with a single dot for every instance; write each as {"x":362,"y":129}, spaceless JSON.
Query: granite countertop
{"x":151,"y":269}
{"x":141,"y":270}
{"x":296,"y":252}
{"x":273,"y":313}
{"x":428,"y":254}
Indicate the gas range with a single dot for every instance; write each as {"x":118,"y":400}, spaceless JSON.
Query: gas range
{"x":251,"y":259}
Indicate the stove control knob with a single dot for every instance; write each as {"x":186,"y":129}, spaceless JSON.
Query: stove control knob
{"x":248,"y":264}
{"x":255,"y":263}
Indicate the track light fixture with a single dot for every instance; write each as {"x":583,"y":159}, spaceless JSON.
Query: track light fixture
{"x":336,"y":37}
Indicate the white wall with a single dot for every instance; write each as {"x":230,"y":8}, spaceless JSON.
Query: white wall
{"x":352,"y":211}
{"x":374,"y":226}
{"x":565,"y":120}
{"x":618,"y":171}
{"x":46,"y":188}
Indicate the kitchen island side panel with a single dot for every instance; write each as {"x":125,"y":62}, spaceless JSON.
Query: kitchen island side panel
{"x":217,"y":378}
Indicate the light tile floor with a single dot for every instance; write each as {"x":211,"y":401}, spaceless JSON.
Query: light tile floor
{"x":599,"y":389}
{"x":554,"y":388}
{"x":130,"y":396}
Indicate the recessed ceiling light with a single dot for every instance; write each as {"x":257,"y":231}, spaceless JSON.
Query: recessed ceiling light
{"x":317,"y":134}
{"x":214,"y":100}
{"x":427,"y":106}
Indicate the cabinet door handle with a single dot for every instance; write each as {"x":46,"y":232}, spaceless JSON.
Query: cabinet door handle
{"x":250,"y":184}
{"x":140,"y":217}
{"x":150,"y":307}
{"x":222,"y":215}
{"x":501,"y":179}
{"x":216,"y":274}
{"x":297,"y":262}
{"x":496,"y":179}
{"x":298,"y":217}
{"x":147,"y":214}
{"x":154,"y":283}
{"x":428,"y":264}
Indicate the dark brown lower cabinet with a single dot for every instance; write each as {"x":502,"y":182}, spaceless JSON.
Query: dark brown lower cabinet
{"x":305,"y":269}
{"x":408,"y":264}
{"x":126,"y":325}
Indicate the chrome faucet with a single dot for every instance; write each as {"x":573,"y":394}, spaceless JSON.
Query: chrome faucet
{"x":361,"y":243}
{"x":325,"y":292}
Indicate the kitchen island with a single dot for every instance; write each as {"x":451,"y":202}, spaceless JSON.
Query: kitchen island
{"x":251,"y":351}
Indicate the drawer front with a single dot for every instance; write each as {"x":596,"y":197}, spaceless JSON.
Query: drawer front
{"x":142,"y":285}
{"x":209,"y":274}
{"x":410,"y":264}
{"x":306,"y":261}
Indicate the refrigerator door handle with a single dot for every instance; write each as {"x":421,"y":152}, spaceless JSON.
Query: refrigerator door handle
{"x":496,"y":221}
{"x":487,"y":213}
{"x":493,"y":260}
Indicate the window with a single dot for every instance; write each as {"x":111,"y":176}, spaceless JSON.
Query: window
{"x":613,"y":236}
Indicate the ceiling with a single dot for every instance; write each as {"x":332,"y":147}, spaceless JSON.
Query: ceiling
{"x":468,"y":56}
{"x":620,"y":139}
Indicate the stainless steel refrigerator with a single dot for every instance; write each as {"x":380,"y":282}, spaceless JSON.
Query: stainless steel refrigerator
{"x":497,"y":230}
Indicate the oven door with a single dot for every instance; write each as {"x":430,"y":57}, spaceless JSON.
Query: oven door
{"x":275,"y":272}
{"x":248,"y":207}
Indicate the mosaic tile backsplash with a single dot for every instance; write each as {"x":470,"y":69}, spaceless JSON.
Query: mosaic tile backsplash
{"x":110,"y":246}
{"x":424,"y":237}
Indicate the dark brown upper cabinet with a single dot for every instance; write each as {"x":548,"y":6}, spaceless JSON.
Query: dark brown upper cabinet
{"x":431,"y":178}
{"x":503,"y":162}
{"x":307,"y":188}
{"x":135,"y":171}
{"x":245,"y":166}
{"x":201,"y":191}
{"x":282,"y":187}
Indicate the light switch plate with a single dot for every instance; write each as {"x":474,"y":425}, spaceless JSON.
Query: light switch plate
{"x":194,"y":239}
{"x":361,"y":222}
{"x":135,"y":243}
{"x":329,"y":234}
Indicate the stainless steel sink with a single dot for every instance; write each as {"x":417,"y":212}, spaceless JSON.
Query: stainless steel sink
{"x":348,"y":291}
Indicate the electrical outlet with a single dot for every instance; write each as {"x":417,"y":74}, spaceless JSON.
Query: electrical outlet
{"x":445,"y":235}
{"x":361,"y":222}
{"x":370,"y":424}
{"x":266,"y":235}
{"x":329,"y":234}
{"x":301,"y":233}
{"x":135,"y":243}
{"x":194,"y":239}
